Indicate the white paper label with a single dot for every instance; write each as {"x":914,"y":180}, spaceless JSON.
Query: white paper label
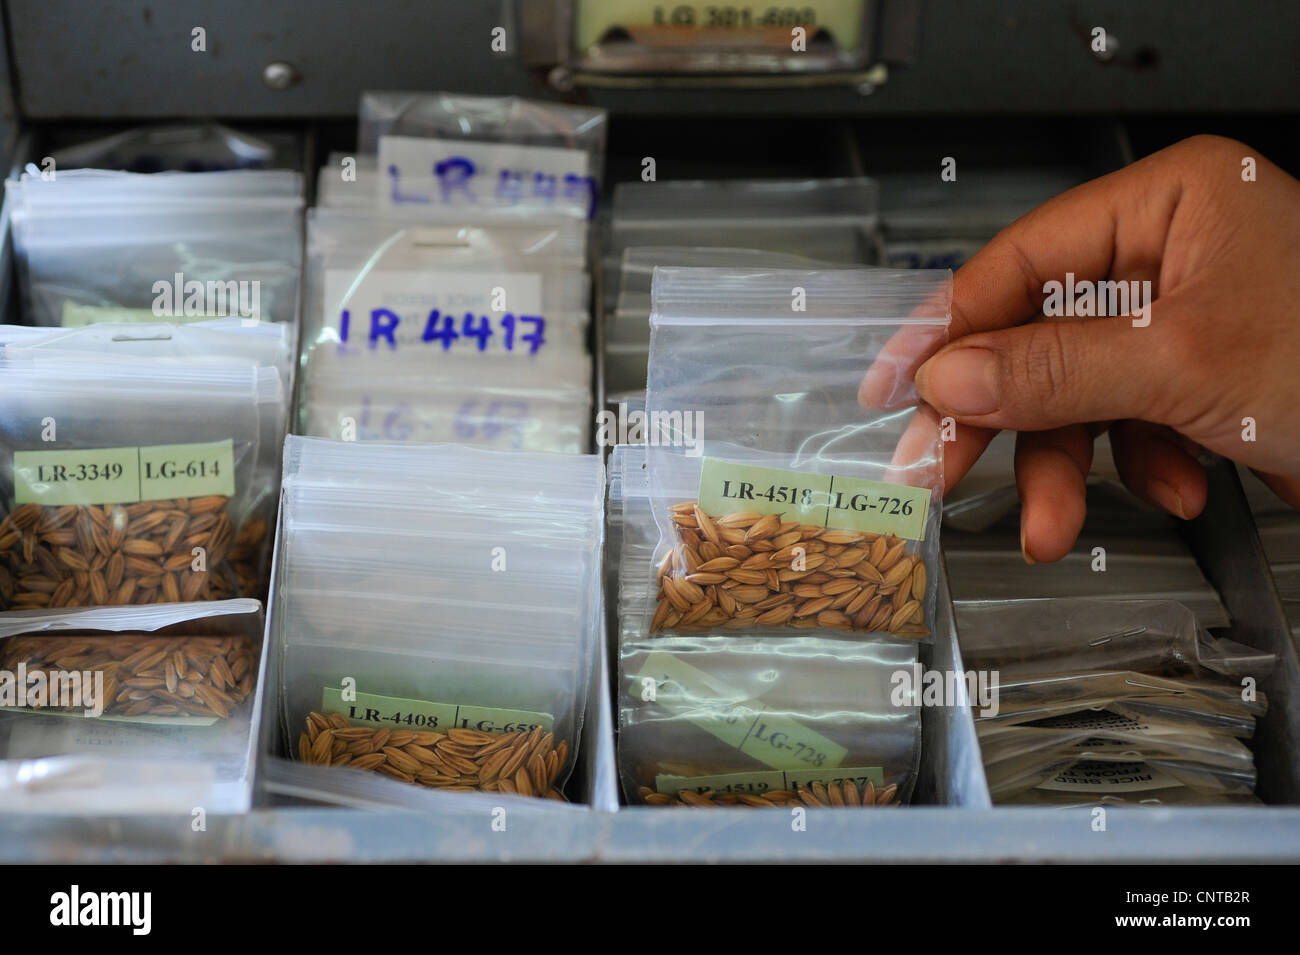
{"x":451,"y":313}
{"x":445,"y":174}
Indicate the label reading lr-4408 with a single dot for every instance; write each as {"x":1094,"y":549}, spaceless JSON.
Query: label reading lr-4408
{"x":827,"y":500}
{"x":124,"y":475}
{"x":372,"y":709}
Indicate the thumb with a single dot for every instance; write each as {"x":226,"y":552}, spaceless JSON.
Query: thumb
{"x":1046,"y":374}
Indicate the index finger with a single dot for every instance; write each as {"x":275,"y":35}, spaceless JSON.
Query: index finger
{"x":1111,"y":227}
{"x":1114,"y":226}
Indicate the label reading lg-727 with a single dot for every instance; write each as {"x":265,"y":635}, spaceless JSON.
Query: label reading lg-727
{"x":827,"y":500}
{"x":770,"y":780}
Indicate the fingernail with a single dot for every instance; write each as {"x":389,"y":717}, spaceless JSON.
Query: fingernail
{"x":1165,"y":495}
{"x":963,"y":381}
{"x":1023,"y":552}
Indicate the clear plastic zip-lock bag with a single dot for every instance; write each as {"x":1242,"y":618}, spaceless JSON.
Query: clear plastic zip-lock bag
{"x":784,"y":500}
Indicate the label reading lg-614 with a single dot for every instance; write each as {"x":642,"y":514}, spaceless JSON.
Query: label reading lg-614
{"x":123,"y":475}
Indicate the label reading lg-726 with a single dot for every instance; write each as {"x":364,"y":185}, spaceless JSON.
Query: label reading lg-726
{"x":827,"y":500}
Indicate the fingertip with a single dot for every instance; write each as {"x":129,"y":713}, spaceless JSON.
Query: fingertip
{"x":1049,"y":527}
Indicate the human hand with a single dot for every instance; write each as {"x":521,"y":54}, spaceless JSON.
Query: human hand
{"x":1222,"y":344}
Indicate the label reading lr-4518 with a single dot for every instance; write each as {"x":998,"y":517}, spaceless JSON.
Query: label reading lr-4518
{"x":827,"y":500}
{"x":372,"y":709}
{"x":124,"y":475}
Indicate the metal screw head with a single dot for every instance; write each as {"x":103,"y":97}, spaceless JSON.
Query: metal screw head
{"x":561,"y":78}
{"x":280,"y":75}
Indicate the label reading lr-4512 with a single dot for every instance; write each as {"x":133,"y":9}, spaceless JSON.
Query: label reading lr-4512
{"x":372,"y":709}
{"x":124,"y":475}
{"x":827,"y":500}
{"x":769,"y":780}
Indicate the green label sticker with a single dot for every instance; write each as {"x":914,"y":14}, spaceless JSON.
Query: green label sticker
{"x":124,"y":475}
{"x":372,"y":709}
{"x":187,"y":470}
{"x":827,"y":500}
{"x":56,"y":478}
{"x":744,"y":724}
{"x":770,"y":780}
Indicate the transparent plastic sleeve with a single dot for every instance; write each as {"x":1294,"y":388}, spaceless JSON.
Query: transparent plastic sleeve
{"x":1023,"y":637}
{"x":137,"y":709}
{"x":782,"y":502}
{"x":1149,"y":781}
{"x":438,"y":631}
{"x":829,"y":220}
{"x":130,"y":481}
{"x":764,"y":722}
{"x":449,"y":157}
{"x":1208,"y":704}
{"x":474,"y":335}
{"x":93,"y":246}
{"x":197,"y":147}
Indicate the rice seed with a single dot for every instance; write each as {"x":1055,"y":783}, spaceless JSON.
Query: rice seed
{"x":860,"y":580}
{"x":813,"y":607}
{"x":763,"y":528}
{"x":776,"y":616}
{"x":903,"y":615}
{"x":918,"y":581}
{"x":706,"y":526}
{"x":459,"y":760}
{"x":102,"y":547}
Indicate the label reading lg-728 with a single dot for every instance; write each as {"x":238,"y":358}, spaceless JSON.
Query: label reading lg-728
{"x":827,"y":500}
{"x":744,"y":724}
